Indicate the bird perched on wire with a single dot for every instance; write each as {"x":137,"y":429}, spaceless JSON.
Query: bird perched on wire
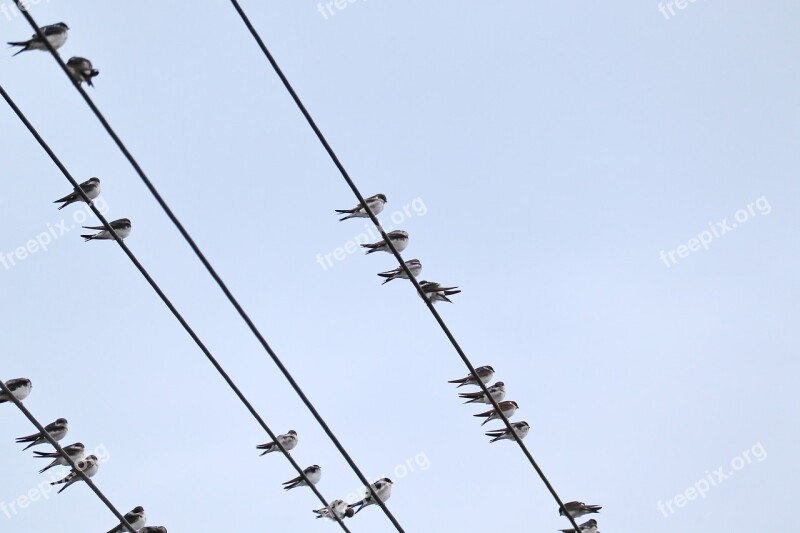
{"x":375,"y":204}
{"x":56,"y":34}
{"x":90,"y":187}
{"x":507,"y":408}
{"x":590,"y":526}
{"x":399,"y":239}
{"x":485,"y":373}
{"x":436,"y":293}
{"x":288,"y":441}
{"x":57,"y":431}
{"x":578,"y":509}
{"x":382,"y":487}
{"x":313,"y":473}
{"x":414,"y":265}
{"x":136,"y":518}
{"x":121,"y":227}
{"x":498,"y":392}
{"x":88,"y":466}
{"x":336,"y":509}
{"x":74,"y":451}
{"x":20,"y":389}
{"x":520,"y":428}
{"x":81,"y":70}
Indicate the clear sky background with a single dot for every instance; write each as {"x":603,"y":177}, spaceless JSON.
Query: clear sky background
{"x":557,"y":150}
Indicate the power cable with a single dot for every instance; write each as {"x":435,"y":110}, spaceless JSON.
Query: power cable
{"x":163,"y":297}
{"x":397,"y":255}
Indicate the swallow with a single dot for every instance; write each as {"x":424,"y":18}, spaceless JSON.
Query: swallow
{"x":20,"y":389}
{"x":288,"y":441}
{"x":578,"y":509}
{"x":313,"y":473}
{"x":498,"y":392}
{"x":382,"y":487}
{"x":508,"y":409}
{"x":74,"y":451}
{"x":81,"y":70}
{"x":375,"y":204}
{"x":55,"y":33}
{"x":88,"y":466}
{"x":336,"y":509}
{"x":122,"y":227}
{"x":153,"y":529}
{"x":520,"y":428}
{"x":399,"y":239}
{"x":414,"y":265}
{"x":57,"y":430}
{"x":485,"y":373}
{"x":436,"y":293}
{"x":590,"y":526}
{"x":136,"y":518}
{"x":90,"y":188}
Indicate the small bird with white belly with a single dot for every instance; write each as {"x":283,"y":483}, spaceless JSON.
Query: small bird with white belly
{"x":485,"y":373}
{"x":56,"y":34}
{"x":375,"y":203}
{"x":498,"y":392}
{"x":399,"y":239}
{"x":81,"y":70}
{"x":20,"y":389}
{"x":88,"y":466}
{"x":414,"y":265}
{"x":507,"y":408}
{"x":90,"y":187}
{"x":121,"y":227}
{"x":74,"y":451}
{"x":382,"y":487}
{"x":435,"y":292}
{"x":136,"y":518}
{"x":313,"y":473}
{"x":57,"y":431}
{"x":578,"y":509}
{"x":288,"y":441}
{"x":520,"y":429}
{"x":336,"y":509}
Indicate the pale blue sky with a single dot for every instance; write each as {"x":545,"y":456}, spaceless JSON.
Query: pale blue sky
{"x":557,"y":149}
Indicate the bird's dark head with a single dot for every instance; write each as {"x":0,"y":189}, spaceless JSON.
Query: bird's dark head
{"x":62,"y":25}
{"x":382,"y":197}
{"x":292,"y":432}
{"x":138,"y":510}
{"x":94,"y":180}
{"x":61,"y":421}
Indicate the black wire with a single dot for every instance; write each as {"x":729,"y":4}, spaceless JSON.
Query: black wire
{"x":163,"y":297}
{"x":231,"y":298}
{"x":72,"y":463}
{"x":397,"y":255}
